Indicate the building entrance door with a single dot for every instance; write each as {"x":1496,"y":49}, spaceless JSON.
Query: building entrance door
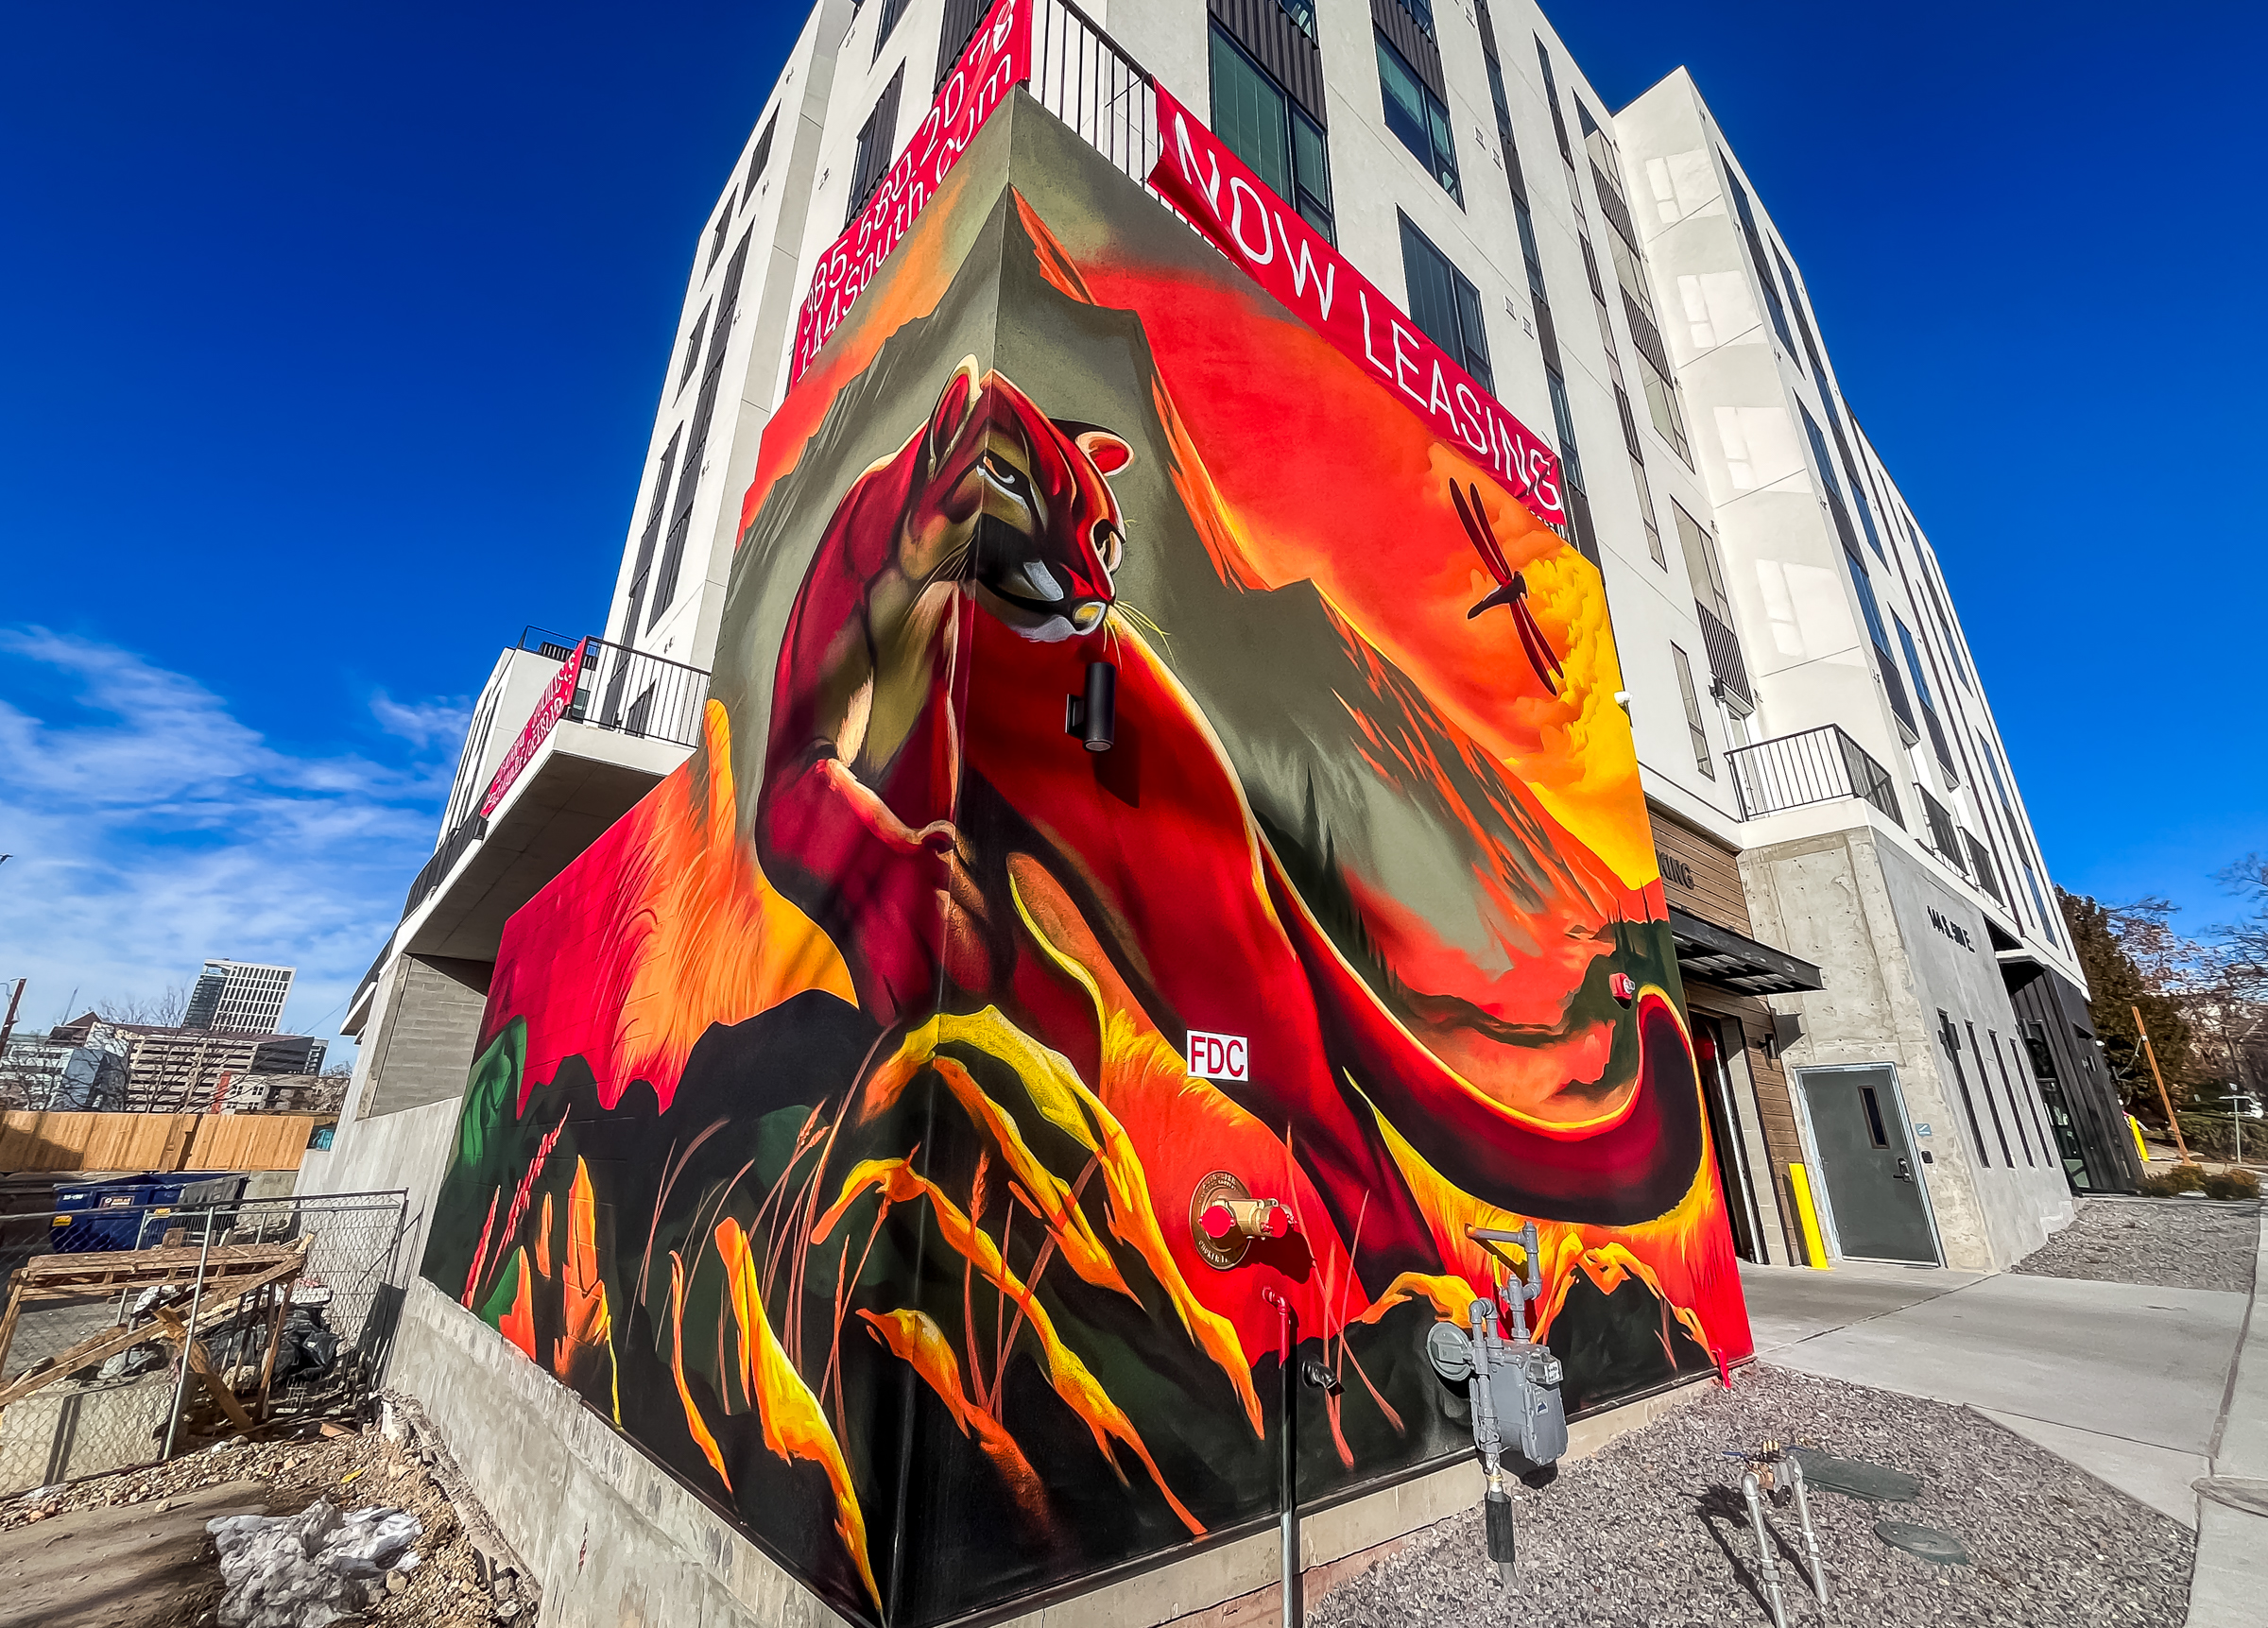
{"x":1726,"y":1131}
{"x":1873,"y":1187}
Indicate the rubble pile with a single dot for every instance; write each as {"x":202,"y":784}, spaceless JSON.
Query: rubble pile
{"x":311,"y":1569}
{"x":464,"y":1575}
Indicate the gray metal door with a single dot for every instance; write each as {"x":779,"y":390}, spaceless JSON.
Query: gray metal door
{"x":1872,"y":1187}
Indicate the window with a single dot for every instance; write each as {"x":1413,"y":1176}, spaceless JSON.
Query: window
{"x":1416,"y":118}
{"x":1551,"y":95}
{"x":1756,"y":257}
{"x":762,"y":156}
{"x":876,"y":138}
{"x":1527,"y":249}
{"x":1422,"y":10}
{"x":692,"y":349}
{"x":891,"y":11}
{"x":1810,"y":348}
{"x":1302,"y":14}
{"x":1819,"y":458}
{"x":1645,"y":498}
{"x":716,"y":236}
{"x":1876,"y":1133}
{"x":1563,"y":420}
{"x":1446,"y":307}
{"x":1268,"y":130}
{"x":1704,"y":565}
{"x":1628,"y":273}
{"x":1701,"y":760}
{"x":1944,"y":622}
{"x":1661,"y":402}
{"x":1929,"y":701}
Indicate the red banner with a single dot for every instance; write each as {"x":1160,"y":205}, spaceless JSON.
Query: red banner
{"x":998,"y":58}
{"x":1248,"y":223}
{"x":548,"y":712}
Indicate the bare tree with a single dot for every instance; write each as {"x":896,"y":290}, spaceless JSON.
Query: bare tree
{"x":164,"y":1011}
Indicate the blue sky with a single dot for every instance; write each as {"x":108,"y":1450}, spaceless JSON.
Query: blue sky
{"x":333,"y":334}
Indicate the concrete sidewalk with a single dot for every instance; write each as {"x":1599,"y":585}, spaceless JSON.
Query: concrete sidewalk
{"x":2231,"y":1585}
{"x":2147,"y":1389}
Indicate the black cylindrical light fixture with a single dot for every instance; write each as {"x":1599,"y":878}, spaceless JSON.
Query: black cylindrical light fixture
{"x":1092,"y":717}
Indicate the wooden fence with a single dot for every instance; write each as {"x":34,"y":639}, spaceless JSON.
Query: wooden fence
{"x":31,"y":1141}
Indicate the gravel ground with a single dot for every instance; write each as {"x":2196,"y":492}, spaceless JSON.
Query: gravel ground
{"x":355,"y":1470}
{"x":1652,"y":1533}
{"x":2162,"y":1242}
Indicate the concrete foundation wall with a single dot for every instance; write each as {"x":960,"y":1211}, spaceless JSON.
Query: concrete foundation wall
{"x":423,"y":1047}
{"x":1857,"y":907}
{"x":615,"y":1541}
{"x":402,"y":1149}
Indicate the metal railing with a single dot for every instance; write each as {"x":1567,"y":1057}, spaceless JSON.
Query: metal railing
{"x":1084,"y":78}
{"x":608,"y":686}
{"x":284,"y":1307}
{"x":1944,"y":836}
{"x":1812,"y":767}
{"x":1724,"y":647}
{"x":469,"y":830}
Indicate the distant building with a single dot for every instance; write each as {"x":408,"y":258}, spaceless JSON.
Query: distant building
{"x":181,"y":1070}
{"x":83,"y":1073}
{"x":238,"y":997}
{"x":256,"y":1092}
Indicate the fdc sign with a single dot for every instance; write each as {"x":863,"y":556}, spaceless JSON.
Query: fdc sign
{"x":1219,"y":1056}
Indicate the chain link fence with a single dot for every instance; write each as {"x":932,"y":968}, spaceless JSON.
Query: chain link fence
{"x":134,"y":1331}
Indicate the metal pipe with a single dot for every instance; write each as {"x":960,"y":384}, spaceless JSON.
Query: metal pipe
{"x":197,"y":1301}
{"x":1763,"y":1552}
{"x":1287,"y":1463}
{"x":1811,"y":1538}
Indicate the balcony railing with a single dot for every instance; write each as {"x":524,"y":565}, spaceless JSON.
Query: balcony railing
{"x":1812,"y":767}
{"x":1725,"y":663}
{"x":609,"y":687}
{"x":469,"y":830}
{"x":1944,"y":836}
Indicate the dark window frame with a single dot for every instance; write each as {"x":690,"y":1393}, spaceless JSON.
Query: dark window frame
{"x":1431,"y":118}
{"x":1465,"y":339}
{"x":1306,"y":144}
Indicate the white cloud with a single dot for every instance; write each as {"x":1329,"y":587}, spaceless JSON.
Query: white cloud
{"x":422,"y":723}
{"x":151,"y":829}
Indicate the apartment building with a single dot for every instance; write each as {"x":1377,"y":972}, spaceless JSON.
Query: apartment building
{"x":1886,"y":1011}
{"x":238,"y":997}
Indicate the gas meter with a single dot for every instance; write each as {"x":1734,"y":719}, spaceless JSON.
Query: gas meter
{"x":1513,"y":1384}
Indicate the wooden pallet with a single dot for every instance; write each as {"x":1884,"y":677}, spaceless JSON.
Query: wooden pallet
{"x":225,"y":1275}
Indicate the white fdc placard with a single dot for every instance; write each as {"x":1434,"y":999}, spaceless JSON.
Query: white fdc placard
{"x":1219,"y":1056}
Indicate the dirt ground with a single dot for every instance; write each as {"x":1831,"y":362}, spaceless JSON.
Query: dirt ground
{"x":129,"y":1558}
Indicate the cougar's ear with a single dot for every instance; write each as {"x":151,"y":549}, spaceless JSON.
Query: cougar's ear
{"x":955,"y":404}
{"x":1108,"y":453}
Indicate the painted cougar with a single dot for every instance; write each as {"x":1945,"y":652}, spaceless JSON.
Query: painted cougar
{"x":991,"y":506}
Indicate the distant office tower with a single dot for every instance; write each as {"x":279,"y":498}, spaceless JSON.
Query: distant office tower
{"x":238,"y":997}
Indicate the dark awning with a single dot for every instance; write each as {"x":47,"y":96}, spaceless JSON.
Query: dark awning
{"x":1719,"y":955}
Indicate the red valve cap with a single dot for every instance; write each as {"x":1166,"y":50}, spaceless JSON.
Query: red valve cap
{"x":1278,"y":1222}
{"x":1218,"y":1220}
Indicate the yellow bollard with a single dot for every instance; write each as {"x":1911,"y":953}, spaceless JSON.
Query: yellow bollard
{"x":1814,"y":1245}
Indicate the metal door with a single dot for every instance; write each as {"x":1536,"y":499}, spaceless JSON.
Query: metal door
{"x":1725,"y":1130}
{"x":1871,"y":1184}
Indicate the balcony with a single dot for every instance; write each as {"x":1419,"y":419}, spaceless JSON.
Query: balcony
{"x":1812,"y":767}
{"x":610,"y":724}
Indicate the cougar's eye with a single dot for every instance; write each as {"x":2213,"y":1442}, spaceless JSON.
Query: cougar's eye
{"x":1005,"y":475}
{"x":1110,"y":545}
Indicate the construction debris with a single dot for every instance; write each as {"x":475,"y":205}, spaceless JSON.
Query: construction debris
{"x":465,"y":1573}
{"x":314,"y":1568}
